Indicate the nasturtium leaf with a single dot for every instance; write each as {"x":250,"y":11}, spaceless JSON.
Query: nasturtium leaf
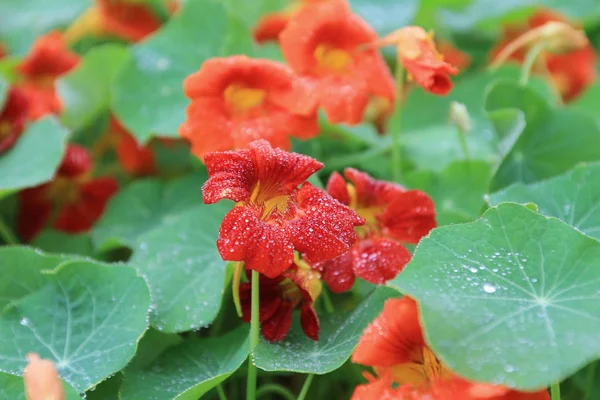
{"x":554,"y":139}
{"x":3,"y":91}
{"x":388,"y":15}
{"x":573,"y":197}
{"x":22,"y":21}
{"x":88,"y":319}
{"x":60,"y":242}
{"x":338,"y":337}
{"x":188,"y":370}
{"x":512,"y":298}
{"x":588,"y":101}
{"x":84,"y":91}
{"x":106,"y":390}
{"x":173,"y":237}
{"x":12,"y":388}
{"x":35,"y":156}
{"x":148,"y":92}
{"x":152,"y":345}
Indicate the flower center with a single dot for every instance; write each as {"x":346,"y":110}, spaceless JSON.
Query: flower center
{"x":5,"y":128}
{"x":290,"y":292}
{"x":241,"y":99}
{"x":331,"y":58}
{"x":424,"y":369}
{"x":370,"y":214}
{"x":63,"y":191}
{"x":270,"y":199}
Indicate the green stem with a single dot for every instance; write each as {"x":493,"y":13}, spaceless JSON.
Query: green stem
{"x":589,"y":387}
{"x":555,"y":391}
{"x":462,"y":137}
{"x":396,"y":160}
{"x":7,"y":234}
{"x":327,"y":301}
{"x":254,"y":327}
{"x":530,"y":58}
{"x":305,"y":387}
{"x":277,"y":389}
{"x":221,"y":392}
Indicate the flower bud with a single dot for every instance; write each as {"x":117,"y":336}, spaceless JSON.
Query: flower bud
{"x":42,"y":381}
{"x":459,"y":116}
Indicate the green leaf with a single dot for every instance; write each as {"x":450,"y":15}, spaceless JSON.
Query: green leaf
{"x":61,"y":242}
{"x":12,"y":388}
{"x":588,"y":101}
{"x":338,"y":337}
{"x":88,"y":319}
{"x":172,"y":235}
{"x":84,"y":91}
{"x":554,"y":140}
{"x":3,"y":91}
{"x":22,"y":21}
{"x":189,"y":370}
{"x":106,"y":390}
{"x":573,"y":197}
{"x":35,"y":156}
{"x":511,"y":298}
{"x":386,"y":16}
{"x":152,"y":345}
{"x":148,"y":93}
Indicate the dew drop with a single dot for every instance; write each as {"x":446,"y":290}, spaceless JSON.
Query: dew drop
{"x":489,"y":288}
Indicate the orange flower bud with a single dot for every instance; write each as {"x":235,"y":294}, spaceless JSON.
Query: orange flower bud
{"x":42,"y":381}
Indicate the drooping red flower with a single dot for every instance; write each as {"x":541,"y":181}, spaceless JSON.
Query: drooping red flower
{"x":48,"y":59}
{"x":453,"y":55}
{"x":416,"y":51}
{"x":135,"y":159}
{"x":236,"y":100}
{"x":129,"y":20}
{"x":71,"y":202}
{"x":13,"y":117}
{"x":298,"y":287}
{"x":393,"y":216}
{"x":273,"y":215}
{"x":407,"y":369}
{"x":325,"y":44}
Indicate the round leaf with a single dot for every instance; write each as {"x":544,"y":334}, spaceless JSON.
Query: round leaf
{"x":12,"y":388}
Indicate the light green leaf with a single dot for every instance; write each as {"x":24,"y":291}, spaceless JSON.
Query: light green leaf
{"x":12,"y":388}
{"x":35,"y":156}
{"x":337,"y":339}
{"x":588,"y":101}
{"x":573,"y":197}
{"x":88,"y":319}
{"x":3,"y":91}
{"x":84,"y":91}
{"x":60,"y":242}
{"x":512,"y":298}
{"x":189,"y":370}
{"x":173,"y":237}
{"x":385,"y":16}
{"x":148,"y":93}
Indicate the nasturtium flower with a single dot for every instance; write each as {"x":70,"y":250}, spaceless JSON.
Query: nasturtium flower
{"x":41,"y":380}
{"x":277,"y":211}
{"x":236,"y":100}
{"x":407,"y":369}
{"x":298,"y":287}
{"x":48,"y":59}
{"x":326,"y":44}
{"x":129,"y":20}
{"x":393,"y":216}
{"x":136,"y":159}
{"x":71,"y":202}
{"x":416,"y":51}
{"x":453,"y":55}
{"x":13,"y":117}
{"x":570,"y":71}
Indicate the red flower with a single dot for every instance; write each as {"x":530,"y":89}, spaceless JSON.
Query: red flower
{"x":13,"y":117}
{"x":273,"y":216}
{"x":453,"y":55}
{"x":72,"y":201}
{"x":133,"y":157}
{"x":393,"y":216}
{"x":393,"y":344}
{"x":417,"y":53}
{"x":237,"y":100}
{"x":126,"y":19}
{"x":298,"y":287}
{"x":49,"y":59}
{"x":324,"y":44}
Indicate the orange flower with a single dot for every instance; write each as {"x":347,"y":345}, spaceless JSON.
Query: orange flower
{"x":236,"y":100}
{"x":129,"y":20}
{"x":48,"y":59}
{"x":13,"y":117}
{"x":135,"y":159}
{"x":571,"y":72}
{"x":452,"y":55}
{"x":325,"y":44}
{"x":417,"y":53}
{"x":41,"y":380}
{"x":393,"y":344}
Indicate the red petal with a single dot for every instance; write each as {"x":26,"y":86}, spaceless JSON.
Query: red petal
{"x":338,"y":273}
{"x":309,"y":321}
{"x":323,"y":228}
{"x":76,"y":161}
{"x":269,"y":302}
{"x":372,"y":192}
{"x":378,"y":260}
{"x":431,"y":75}
{"x":34,"y":212}
{"x":409,"y":217}
{"x":49,"y":57}
{"x":15,"y":113}
{"x":344,"y":98}
{"x":270,"y":26}
{"x":264,"y":247}
{"x":276,"y":328}
{"x":336,"y":187}
{"x":231,"y":175}
{"x":393,"y":337}
{"x":134,"y":158}
{"x":128,"y":20}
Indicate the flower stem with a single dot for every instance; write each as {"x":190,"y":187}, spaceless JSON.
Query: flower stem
{"x":221,"y":392}
{"x":396,"y":160}
{"x":589,"y":387}
{"x":275,"y":388}
{"x":7,"y":234}
{"x":555,"y":391}
{"x":254,"y":326}
{"x":462,"y":138}
{"x":305,"y":387}
{"x":530,"y":59}
{"x":327,"y":302}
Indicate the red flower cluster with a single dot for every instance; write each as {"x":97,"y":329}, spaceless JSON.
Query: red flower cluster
{"x":135,"y":159}
{"x":393,"y":216}
{"x":71,"y":202}
{"x":407,"y":369}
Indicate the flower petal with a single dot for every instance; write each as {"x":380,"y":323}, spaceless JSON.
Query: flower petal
{"x":231,"y":175}
{"x":336,"y":187}
{"x":76,"y":161}
{"x":277,"y":327}
{"x":338,"y":273}
{"x":372,"y":192}
{"x":309,"y":321}
{"x":409,"y":217}
{"x":378,"y":260}
{"x":34,"y":212}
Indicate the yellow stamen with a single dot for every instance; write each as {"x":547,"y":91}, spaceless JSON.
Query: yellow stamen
{"x":88,"y":23}
{"x":332,"y":58}
{"x":5,"y":128}
{"x":242,"y":99}
{"x":63,"y":191}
